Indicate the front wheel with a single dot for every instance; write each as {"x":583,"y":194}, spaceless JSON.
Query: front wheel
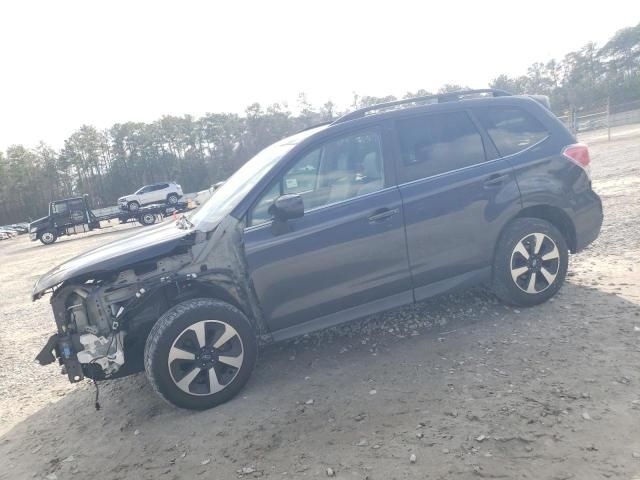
{"x":48,"y":237}
{"x":200,"y":353}
{"x":133,"y":206}
{"x":530,"y":262}
{"x":172,"y":199}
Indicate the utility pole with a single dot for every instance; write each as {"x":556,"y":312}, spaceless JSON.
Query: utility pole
{"x":573,"y":120}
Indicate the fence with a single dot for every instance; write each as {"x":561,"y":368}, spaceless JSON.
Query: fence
{"x":605,"y":115}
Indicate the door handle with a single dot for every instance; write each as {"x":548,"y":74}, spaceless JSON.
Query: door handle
{"x":495,"y":180}
{"x":382,"y":214}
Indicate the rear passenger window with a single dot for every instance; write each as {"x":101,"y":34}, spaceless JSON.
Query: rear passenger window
{"x":511,"y":129}
{"x":435,"y":144}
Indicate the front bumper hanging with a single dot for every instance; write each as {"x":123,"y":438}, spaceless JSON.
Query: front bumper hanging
{"x":66,"y":349}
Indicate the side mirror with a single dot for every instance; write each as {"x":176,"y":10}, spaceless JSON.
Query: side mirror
{"x":287,"y":207}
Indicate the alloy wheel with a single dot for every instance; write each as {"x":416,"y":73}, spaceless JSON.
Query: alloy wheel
{"x":535,"y":263}
{"x":205,"y":357}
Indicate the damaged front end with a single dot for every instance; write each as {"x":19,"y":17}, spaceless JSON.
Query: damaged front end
{"x":95,"y":317}
{"x":106,"y":301}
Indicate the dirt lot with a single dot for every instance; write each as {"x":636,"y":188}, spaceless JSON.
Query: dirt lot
{"x":470,"y":387}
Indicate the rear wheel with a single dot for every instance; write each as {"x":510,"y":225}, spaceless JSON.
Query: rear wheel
{"x":531,"y":262}
{"x":200,"y":353}
{"x":147,"y":219}
{"x":133,"y":206}
{"x":48,"y":237}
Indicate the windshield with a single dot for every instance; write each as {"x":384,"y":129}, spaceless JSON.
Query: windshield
{"x":225,"y":198}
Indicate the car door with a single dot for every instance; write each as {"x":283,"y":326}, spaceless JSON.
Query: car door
{"x":60,"y":213}
{"x":160,"y":193}
{"x":457,"y":195}
{"x":142,"y":194}
{"x":152,"y":194}
{"x":346,"y":256}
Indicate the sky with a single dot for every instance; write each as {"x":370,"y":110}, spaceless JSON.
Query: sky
{"x":68,"y":63}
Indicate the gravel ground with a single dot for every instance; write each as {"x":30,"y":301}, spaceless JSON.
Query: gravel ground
{"x":457,"y":387}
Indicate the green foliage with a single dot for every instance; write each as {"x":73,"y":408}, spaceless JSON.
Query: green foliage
{"x":587,"y":77}
{"x":198,"y":152}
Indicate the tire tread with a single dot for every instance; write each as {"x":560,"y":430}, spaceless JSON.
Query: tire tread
{"x":165,"y":322}
{"x":502,"y":284}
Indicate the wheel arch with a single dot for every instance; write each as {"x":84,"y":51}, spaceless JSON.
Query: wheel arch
{"x":556,"y":217}
{"x":209,"y":290}
{"x":167,"y":297}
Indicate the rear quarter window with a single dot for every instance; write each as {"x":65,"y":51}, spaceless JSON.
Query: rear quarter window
{"x":512,"y":129}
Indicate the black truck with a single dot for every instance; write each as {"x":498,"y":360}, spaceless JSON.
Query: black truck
{"x":74,"y":215}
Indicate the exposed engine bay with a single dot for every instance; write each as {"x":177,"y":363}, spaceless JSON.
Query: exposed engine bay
{"x":94,"y":318}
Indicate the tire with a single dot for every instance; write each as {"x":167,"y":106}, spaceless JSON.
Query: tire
{"x":147,"y":219}
{"x":182,"y":376}
{"x":172,"y":199}
{"x":133,"y":206}
{"x":525,"y":274}
{"x":48,"y":237}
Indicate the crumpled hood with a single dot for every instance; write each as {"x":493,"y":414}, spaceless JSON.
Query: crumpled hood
{"x":118,"y":255}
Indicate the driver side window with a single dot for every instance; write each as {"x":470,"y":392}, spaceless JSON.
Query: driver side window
{"x":336,"y":171}
{"x":60,"y":208}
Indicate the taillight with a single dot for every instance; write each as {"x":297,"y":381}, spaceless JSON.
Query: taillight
{"x":578,"y":153}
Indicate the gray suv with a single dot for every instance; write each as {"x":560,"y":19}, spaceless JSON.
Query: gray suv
{"x":386,"y":206}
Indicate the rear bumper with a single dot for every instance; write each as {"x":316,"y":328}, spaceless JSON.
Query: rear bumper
{"x":588,"y":222}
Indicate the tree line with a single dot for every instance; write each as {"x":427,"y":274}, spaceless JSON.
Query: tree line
{"x":198,"y":152}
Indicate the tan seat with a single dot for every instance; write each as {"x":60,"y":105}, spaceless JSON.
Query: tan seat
{"x":372,"y":174}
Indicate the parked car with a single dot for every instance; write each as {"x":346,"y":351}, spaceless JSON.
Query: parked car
{"x":385,"y":206}
{"x":8,"y":231}
{"x":169,"y":192}
{"x":20,"y":228}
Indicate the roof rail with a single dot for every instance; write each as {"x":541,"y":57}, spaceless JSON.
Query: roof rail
{"x":441,"y":98}
{"x":326,"y":122}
